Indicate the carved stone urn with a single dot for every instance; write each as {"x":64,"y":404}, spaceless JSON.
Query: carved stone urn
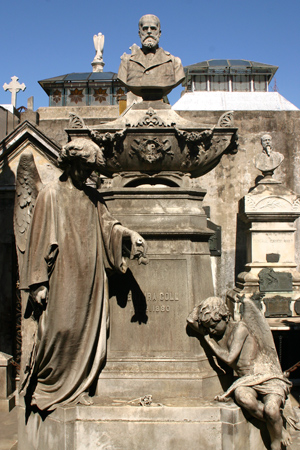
{"x":151,"y":138}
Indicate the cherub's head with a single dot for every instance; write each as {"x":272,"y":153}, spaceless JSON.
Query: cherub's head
{"x":80,"y":157}
{"x":214,"y":315}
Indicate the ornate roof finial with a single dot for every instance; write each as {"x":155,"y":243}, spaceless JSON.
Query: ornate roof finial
{"x":98,"y":63}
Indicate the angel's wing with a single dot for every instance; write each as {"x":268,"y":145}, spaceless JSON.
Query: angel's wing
{"x":95,"y":39}
{"x":28,"y":185}
{"x":259,"y":328}
{"x":99,"y":43}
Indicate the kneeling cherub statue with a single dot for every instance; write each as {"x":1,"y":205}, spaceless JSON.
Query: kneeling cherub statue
{"x":247,"y":346}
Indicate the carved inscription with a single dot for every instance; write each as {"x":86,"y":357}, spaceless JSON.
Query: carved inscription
{"x":156,"y":302}
{"x":274,"y":238}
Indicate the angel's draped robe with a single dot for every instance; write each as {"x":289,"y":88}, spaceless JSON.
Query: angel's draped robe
{"x":72,"y":240}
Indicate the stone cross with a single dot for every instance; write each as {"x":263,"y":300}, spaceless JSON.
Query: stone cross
{"x":14,"y":87}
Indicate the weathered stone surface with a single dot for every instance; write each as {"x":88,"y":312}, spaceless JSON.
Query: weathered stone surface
{"x":73,"y":239}
{"x":25,"y":138}
{"x":232,"y":178}
{"x":7,"y":398}
{"x":152,"y":138}
{"x":207,"y":427}
{"x":54,"y":120}
{"x":148,"y":305}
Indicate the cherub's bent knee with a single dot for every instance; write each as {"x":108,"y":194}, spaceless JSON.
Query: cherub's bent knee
{"x":272,"y":411}
{"x":244,"y":397}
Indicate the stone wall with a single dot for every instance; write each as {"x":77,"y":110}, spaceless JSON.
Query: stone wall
{"x":54,"y":120}
{"x":8,"y":122}
{"x":227,"y":183}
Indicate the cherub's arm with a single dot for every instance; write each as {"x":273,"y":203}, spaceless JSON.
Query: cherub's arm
{"x":192,"y":321}
{"x":229,"y":355}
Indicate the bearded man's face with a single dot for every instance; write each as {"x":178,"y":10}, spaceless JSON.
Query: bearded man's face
{"x":149,"y":33}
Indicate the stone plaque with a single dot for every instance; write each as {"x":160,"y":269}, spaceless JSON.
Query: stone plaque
{"x":215,"y":241}
{"x":271,"y":281}
{"x":278,"y":306}
{"x":149,"y":310}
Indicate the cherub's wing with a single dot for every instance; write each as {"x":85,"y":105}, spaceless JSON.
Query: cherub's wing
{"x":259,"y":328}
{"x":28,"y":185}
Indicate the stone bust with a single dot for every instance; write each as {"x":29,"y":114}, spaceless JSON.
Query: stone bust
{"x":268,"y":160}
{"x":150,"y":71}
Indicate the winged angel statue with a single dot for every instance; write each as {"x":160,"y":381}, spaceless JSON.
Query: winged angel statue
{"x":67,"y":242}
{"x":99,"y":45}
{"x":247,"y":346}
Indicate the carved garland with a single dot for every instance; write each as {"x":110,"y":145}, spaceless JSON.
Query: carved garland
{"x":151,"y":150}
{"x":111,"y":144}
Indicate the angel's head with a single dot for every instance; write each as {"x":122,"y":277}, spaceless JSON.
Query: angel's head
{"x":214,"y":315}
{"x":80,"y":157}
{"x":83,"y":150}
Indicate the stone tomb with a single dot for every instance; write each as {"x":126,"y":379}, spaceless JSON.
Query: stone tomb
{"x":150,"y":352}
{"x":185,"y":425}
{"x":270,"y":275}
{"x":151,"y":154}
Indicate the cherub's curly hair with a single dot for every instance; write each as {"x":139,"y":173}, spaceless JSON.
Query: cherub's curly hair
{"x":82,"y":149}
{"x":213,"y":308}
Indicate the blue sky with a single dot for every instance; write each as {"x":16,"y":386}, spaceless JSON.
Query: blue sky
{"x":45,"y":38}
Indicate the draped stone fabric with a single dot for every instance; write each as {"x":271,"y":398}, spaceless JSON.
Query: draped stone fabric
{"x":72,"y":240}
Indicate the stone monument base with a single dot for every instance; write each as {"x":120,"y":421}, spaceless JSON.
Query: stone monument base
{"x":175,"y":425}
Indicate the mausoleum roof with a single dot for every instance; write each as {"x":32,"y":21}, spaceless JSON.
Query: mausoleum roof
{"x":236,"y":101}
{"x":78,"y":77}
{"x":231,"y":66}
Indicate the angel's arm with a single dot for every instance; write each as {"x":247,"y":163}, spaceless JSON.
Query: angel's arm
{"x":230,"y":354}
{"x":39,"y":292}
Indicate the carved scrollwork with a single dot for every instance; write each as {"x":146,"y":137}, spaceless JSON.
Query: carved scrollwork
{"x":226,"y":120}
{"x":150,"y":119}
{"x":111,"y":144}
{"x":151,"y":150}
{"x":296,"y":204}
{"x":76,"y":121}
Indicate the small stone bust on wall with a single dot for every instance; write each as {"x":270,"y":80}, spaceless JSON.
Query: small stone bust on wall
{"x":268,"y":160}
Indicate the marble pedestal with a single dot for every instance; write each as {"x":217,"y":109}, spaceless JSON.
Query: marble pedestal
{"x":169,"y":427}
{"x":150,"y":350}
